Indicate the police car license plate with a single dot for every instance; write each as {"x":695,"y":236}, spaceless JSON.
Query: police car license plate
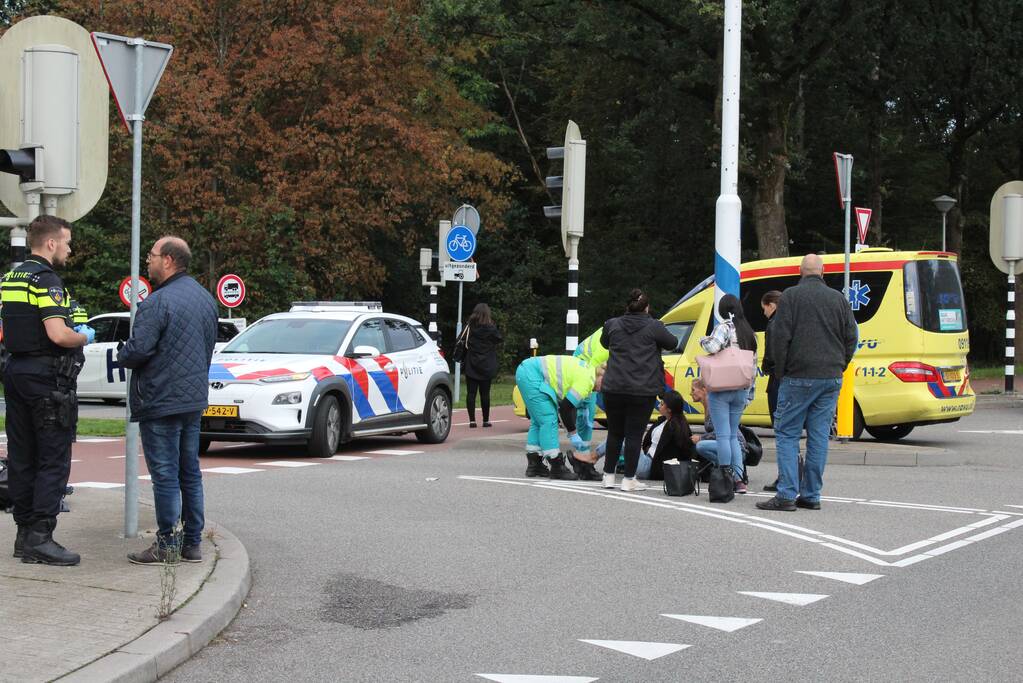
{"x":951,"y":375}
{"x":221,"y":411}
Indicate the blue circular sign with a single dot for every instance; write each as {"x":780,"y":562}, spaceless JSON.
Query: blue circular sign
{"x":461,"y":243}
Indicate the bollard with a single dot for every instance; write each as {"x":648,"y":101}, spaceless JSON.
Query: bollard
{"x":845,"y":404}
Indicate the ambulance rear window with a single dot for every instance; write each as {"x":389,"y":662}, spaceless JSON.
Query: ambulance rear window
{"x":934,"y":296}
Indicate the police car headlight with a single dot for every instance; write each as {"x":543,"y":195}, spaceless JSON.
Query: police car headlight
{"x":288,"y":399}
{"x":294,"y":377}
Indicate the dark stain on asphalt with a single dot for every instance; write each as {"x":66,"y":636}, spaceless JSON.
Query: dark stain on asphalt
{"x":370,"y":604}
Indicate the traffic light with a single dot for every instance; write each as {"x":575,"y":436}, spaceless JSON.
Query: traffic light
{"x":22,"y":163}
{"x":572,"y":185}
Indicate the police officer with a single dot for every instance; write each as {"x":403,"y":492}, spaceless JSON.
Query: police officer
{"x":39,"y":383}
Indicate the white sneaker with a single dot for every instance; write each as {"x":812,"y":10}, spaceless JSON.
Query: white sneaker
{"x":633,"y":485}
{"x":608,"y":481}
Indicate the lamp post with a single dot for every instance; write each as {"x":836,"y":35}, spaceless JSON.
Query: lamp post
{"x":944,"y":204}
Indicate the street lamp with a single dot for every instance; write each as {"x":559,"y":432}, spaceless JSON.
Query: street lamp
{"x":944,"y":204}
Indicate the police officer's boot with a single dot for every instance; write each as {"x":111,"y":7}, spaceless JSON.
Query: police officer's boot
{"x":19,"y":540}
{"x":536,"y":468}
{"x":559,"y":471}
{"x":40,"y":548}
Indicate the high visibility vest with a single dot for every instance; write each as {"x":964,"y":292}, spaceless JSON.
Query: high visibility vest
{"x":591,"y":350}
{"x":570,"y":377}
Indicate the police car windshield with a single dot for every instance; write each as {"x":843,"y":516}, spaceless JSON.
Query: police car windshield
{"x":291,"y":335}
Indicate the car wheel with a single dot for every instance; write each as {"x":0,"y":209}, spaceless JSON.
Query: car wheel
{"x":438,"y":418}
{"x":890,"y":432}
{"x":858,"y":423}
{"x":326,"y":429}
{"x":204,"y":445}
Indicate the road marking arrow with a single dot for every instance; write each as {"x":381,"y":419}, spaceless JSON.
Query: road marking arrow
{"x":846,"y":577}
{"x":727,"y":624}
{"x":799,"y":599}
{"x":637,"y":648}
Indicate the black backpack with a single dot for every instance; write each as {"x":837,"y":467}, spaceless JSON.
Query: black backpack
{"x":754,"y":449}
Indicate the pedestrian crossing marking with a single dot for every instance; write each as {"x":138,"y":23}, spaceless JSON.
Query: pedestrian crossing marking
{"x":638,"y":648}
{"x":798,"y":599}
{"x":289,"y":463}
{"x":846,"y":577}
{"x":726,"y":624}
{"x":349,"y":458}
{"x":96,"y":485}
{"x":390,"y":451}
{"x":231,"y":470}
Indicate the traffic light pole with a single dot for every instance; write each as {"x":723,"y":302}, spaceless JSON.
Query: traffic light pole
{"x":728,"y":210}
{"x":572,"y":316}
{"x":1010,"y":330}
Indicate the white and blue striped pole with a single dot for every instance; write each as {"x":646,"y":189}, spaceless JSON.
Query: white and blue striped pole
{"x":728,"y":215}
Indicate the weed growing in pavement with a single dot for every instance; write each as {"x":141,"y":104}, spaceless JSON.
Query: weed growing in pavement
{"x":169,"y":577}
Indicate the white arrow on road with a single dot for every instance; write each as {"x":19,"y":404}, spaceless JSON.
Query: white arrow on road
{"x":637,"y":648}
{"x":846,"y":577}
{"x":727,"y":624}
{"x":799,"y":599}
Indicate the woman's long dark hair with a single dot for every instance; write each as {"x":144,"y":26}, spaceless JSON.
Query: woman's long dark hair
{"x":480,"y":316}
{"x":730,"y":306}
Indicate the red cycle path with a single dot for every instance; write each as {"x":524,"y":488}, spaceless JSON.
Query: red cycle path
{"x":103,"y":461}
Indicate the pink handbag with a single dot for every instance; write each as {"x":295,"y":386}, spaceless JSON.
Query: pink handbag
{"x":728,"y":369}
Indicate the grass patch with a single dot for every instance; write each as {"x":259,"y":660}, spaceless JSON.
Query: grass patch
{"x":91,"y":427}
{"x":500,"y":392}
{"x":991,"y":371}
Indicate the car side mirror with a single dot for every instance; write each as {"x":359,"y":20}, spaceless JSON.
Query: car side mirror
{"x":363,"y":351}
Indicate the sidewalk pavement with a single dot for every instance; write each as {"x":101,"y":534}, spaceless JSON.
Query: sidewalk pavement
{"x":99,"y":621}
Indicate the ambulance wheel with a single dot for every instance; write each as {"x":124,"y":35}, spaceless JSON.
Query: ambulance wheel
{"x":326,"y":428}
{"x":858,"y":423}
{"x":437,"y":416}
{"x":890,"y":432}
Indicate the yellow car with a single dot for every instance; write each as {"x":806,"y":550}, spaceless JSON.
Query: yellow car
{"x":911,"y":367}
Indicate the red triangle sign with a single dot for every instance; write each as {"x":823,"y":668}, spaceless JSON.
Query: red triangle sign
{"x":863,"y":222}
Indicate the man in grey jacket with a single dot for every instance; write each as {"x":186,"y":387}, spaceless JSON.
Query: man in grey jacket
{"x":813,"y":338}
{"x":169,"y":353}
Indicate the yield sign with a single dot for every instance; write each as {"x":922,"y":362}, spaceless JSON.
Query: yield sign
{"x":863,"y":222}
{"x":117,"y":55}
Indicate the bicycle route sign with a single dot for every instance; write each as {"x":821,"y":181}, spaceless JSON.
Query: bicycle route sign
{"x":461,"y":243}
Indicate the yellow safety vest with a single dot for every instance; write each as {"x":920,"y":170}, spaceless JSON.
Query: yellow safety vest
{"x":570,"y":377}
{"x":592,"y":351}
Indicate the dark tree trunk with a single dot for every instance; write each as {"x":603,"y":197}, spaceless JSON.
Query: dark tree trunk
{"x":769,"y":202}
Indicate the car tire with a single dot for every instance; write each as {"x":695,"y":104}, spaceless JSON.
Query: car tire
{"x":890,"y":432}
{"x":438,"y":418}
{"x":204,"y":445}
{"x":858,"y":423}
{"x":326,"y":428}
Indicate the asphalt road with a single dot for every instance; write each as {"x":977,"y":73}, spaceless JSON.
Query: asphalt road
{"x":447,"y":565}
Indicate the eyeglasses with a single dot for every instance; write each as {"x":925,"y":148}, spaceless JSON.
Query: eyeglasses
{"x":151,"y":255}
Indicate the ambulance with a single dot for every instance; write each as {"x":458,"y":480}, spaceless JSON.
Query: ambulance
{"x":910,"y":367}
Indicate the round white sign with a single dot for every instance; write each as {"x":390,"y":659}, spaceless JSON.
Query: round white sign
{"x":231,"y":290}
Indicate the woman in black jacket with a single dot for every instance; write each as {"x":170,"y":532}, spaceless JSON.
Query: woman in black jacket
{"x":634,"y":378}
{"x":482,"y":339}
{"x":667,"y":439}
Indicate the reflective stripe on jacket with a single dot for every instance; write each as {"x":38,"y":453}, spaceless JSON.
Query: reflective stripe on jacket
{"x":570,"y":377}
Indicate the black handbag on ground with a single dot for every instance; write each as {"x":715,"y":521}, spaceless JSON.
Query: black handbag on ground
{"x":721,"y":488}
{"x":754,"y":449}
{"x":681,"y":478}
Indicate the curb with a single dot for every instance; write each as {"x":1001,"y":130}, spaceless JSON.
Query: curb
{"x":188,"y":630}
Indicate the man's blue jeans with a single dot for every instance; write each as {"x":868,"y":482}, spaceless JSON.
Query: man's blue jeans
{"x":725,"y":412}
{"x":171,"y":447}
{"x":810,"y":402}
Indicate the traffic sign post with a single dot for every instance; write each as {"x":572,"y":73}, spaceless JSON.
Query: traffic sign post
{"x":231,"y":290}
{"x":124,"y":63}
{"x":1006,"y":249}
{"x":460,"y":244}
{"x":843,"y":171}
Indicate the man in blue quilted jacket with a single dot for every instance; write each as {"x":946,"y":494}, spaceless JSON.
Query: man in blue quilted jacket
{"x":169,"y":354}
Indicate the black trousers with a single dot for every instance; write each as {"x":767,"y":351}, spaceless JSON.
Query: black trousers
{"x":773,"y":384}
{"x":627,"y":418}
{"x":483,"y":386}
{"x":38,"y":446}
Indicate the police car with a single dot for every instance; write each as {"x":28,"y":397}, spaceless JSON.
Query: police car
{"x":327,"y":372}
{"x":102,"y":376}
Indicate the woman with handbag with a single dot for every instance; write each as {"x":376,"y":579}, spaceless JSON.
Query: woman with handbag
{"x":667,"y":439}
{"x":726,"y":404}
{"x":481,"y":340}
{"x":634,"y":378}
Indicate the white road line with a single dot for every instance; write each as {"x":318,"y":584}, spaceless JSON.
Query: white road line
{"x":231,"y":470}
{"x":73,"y":460}
{"x":391,"y":451}
{"x":289,"y":463}
{"x":638,"y":648}
{"x":797,"y":599}
{"x":235,"y":445}
{"x":845,"y":546}
{"x":991,"y":431}
{"x":726,"y":624}
{"x":96,"y":485}
{"x":348,"y":458}
{"x":846,"y":577}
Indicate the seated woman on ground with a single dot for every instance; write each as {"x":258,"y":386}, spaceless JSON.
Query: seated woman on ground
{"x":667,"y":439}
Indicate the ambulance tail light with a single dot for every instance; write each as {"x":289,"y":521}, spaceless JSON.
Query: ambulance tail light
{"x":912,"y":371}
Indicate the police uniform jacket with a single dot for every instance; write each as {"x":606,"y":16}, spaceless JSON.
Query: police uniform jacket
{"x":31,"y":294}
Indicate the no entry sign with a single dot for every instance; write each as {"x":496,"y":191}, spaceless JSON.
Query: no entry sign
{"x":231,"y":290}
{"x":124,"y":290}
